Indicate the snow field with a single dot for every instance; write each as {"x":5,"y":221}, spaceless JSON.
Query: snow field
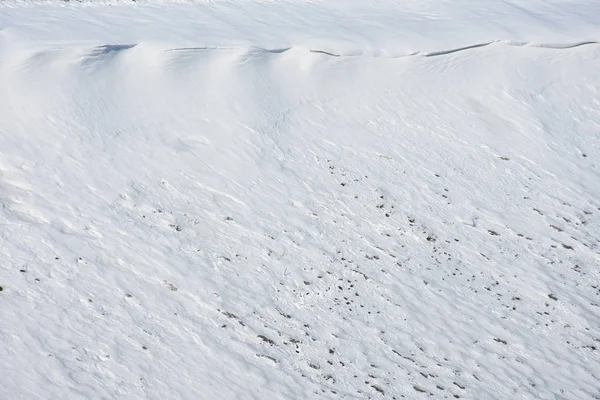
{"x":245,"y":221}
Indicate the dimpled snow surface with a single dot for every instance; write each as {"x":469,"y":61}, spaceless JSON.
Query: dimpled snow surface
{"x":284,"y":200}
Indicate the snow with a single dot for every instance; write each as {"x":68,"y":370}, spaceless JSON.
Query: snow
{"x":300,"y":200}
{"x":383,"y":27}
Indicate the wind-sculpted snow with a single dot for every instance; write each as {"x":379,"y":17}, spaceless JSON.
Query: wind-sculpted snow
{"x":300,"y":52}
{"x":556,"y":46}
{"x":238,"y":221}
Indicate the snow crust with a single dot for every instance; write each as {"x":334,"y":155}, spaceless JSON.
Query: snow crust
{"x":300,"y":200}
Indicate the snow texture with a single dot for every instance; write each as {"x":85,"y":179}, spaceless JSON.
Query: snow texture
{"x":300,"y":200}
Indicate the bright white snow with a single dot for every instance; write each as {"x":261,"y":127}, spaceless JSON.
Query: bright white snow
{"x":300,"y":200}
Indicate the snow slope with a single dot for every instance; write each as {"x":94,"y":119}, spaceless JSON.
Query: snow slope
{"x":246,"y":200}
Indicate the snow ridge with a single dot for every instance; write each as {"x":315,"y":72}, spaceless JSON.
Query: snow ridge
{"x":110,"y":48}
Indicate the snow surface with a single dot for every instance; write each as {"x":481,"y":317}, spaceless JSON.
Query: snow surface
{"x":300,"y":200}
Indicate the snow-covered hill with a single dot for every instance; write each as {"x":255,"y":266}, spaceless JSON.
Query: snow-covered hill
{"x":300,"y":200}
